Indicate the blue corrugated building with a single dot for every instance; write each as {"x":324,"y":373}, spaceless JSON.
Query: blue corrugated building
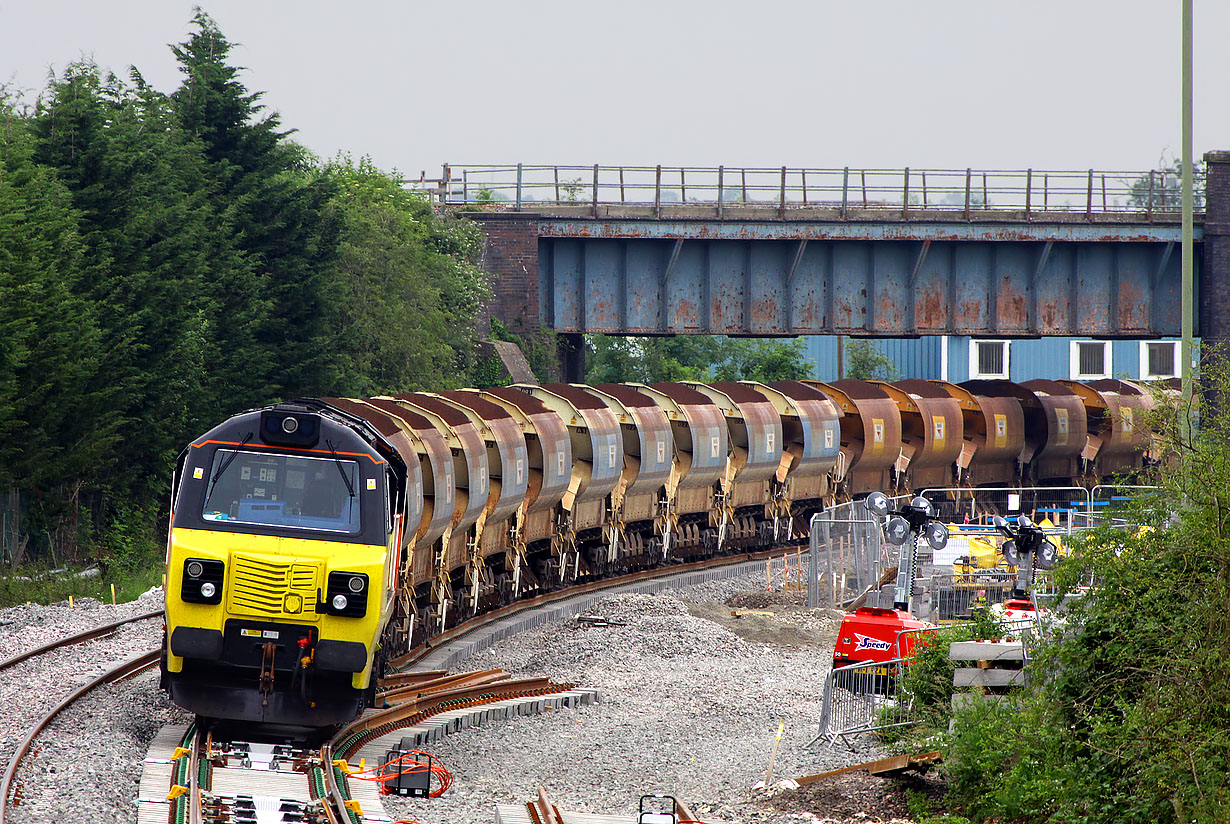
{"x":959,"y":358}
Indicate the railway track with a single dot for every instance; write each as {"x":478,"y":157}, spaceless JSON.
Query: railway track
{"x":209,"y":781}
{"x":101,"y":631}
{"x":118,"y":672}
{"x":326,"y":792}
{"x":477,"y":624}
{"x":128,"y":668}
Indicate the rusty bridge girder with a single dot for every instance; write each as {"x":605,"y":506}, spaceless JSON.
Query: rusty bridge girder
{"x":877,"y":278}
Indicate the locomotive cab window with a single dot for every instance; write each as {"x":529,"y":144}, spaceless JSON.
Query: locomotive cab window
{"x":284,"y":491}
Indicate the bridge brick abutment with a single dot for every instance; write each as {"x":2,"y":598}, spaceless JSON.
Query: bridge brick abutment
{"x":1214,"y":280}
{"x":510,"y":254}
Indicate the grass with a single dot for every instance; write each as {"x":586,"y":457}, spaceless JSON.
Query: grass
{"x":44,"y":587}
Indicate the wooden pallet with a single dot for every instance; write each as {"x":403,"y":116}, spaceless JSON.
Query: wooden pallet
{"x":882,"y":767}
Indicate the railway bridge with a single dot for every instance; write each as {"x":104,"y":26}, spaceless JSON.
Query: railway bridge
{"x":881,"y":253}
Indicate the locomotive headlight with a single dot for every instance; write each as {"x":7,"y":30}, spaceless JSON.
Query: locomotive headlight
{"x":290,"y":425}
{"x":196,"y":570}
{"x":340,"y":602}
{"x":356,"y":584}
{"x":208,"y":590}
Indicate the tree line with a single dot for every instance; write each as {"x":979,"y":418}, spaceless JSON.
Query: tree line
{"x":167,"y":260}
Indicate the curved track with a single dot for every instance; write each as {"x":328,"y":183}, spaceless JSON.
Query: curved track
{"x":415,"y":695}
{"x":478,"y":622}
{"x":130,"y":667}
{"x":80,"y":638}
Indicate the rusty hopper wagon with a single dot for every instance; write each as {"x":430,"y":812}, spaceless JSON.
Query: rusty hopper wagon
{"x":587,"y":540}
{"x":870,"y":434}
{"x":754,"y":428}
{"x":535,"y":544}
{"x":701,"y":441}
{"x":811,"y":438}
{"x":312,"y":540}
{"x":993,"y":432}
{"x":640,"y":516}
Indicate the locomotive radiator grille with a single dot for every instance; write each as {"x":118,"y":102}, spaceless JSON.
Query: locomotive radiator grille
{"x":269,"y":587}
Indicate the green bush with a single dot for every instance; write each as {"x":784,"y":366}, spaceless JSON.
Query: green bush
{"x":928,"y":678}
{"x":1126,"y":717}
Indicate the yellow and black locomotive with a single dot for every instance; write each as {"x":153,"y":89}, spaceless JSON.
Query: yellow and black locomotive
{"x":281,"y":562}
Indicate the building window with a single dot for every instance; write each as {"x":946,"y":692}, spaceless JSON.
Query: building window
{"x":1159,"y":359}
{"x":1090,"y":359}
{"x":988,"y":359}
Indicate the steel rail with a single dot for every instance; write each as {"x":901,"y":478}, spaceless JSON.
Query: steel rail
{"x":334,"y":802}
{"x":80,"y":637}
{"x":194,"y":777}
{"x":421,"y":688}
{"x":131,"y":667}
{"x":466,"y":689}
{"x":431,"y":702}
{"x":479,"y":621}
{"x":435,"y":688}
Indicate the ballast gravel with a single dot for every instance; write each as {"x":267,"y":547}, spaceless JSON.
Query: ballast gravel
{"x":688,"y":708}
{"x":691,"y":702}
{"x":29,"y":689}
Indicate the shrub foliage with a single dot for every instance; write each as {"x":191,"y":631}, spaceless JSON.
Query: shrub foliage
{"x":1127,"y":716}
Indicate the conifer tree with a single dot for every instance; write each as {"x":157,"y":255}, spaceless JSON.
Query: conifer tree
{"x":150,"y":249}
{"x":268,"y":188}
{"x":57,"y":424}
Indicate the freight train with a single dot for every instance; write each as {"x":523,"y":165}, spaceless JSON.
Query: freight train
{"x":312,"y":540}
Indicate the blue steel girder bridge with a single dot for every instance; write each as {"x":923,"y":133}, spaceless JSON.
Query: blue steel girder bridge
{"x":882,"y":253}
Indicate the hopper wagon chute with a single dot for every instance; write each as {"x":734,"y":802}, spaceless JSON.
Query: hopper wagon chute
{"x":1119,"y":437}
{"x":471,"y":483}
{"x":549,"y":456}
{"x":931,"y":434}
{"x":439,"y":492}
{"x":640,"y":513}
{"x":993,"y":433}
{"x":870,"y":434}
{"x":811,"y":445}
{"x":489,"y":570}
{"x":700,"y":439}
{"x":755,"y":431}
{"x":587,"y":545}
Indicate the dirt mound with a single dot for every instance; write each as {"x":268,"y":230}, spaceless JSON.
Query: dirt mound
{"x":767,"y":600}
{"x":858,"y":796}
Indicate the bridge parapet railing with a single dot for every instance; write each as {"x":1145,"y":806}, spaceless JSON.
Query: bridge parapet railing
{"x":967,"y":194}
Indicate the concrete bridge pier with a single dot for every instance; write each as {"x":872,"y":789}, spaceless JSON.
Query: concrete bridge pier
{"x":572,"y":357}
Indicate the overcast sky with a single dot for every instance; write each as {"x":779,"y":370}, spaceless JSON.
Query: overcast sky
{"x":818,"y":83}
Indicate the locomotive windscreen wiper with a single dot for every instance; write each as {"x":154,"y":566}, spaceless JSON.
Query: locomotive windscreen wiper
{"x":338,"y":462}
{"x":226,"y":462}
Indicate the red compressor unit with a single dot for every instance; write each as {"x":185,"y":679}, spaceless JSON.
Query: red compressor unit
{"x":869,"y":635}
